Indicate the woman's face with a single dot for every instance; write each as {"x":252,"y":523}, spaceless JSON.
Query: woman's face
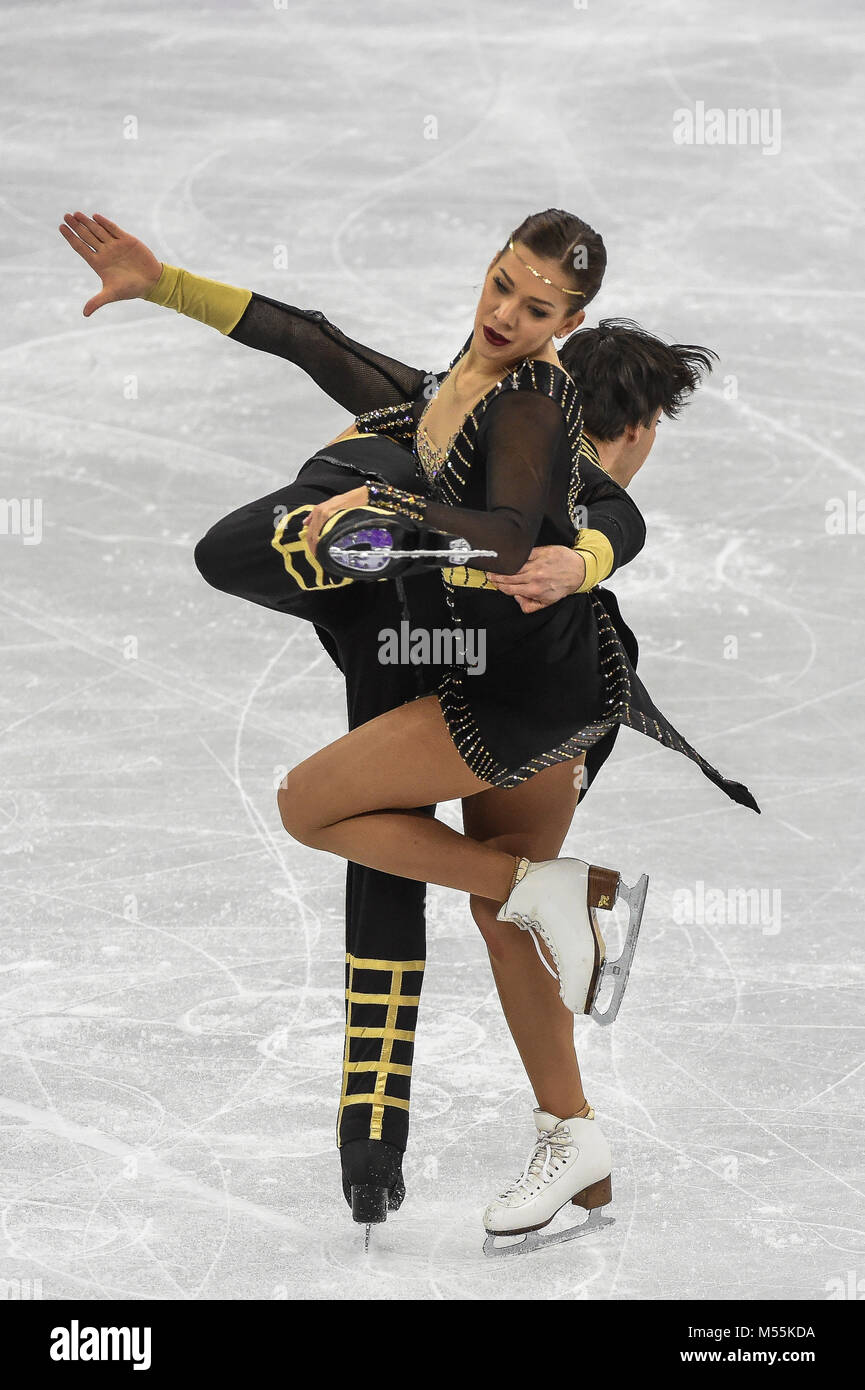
{"x":518,"y":314}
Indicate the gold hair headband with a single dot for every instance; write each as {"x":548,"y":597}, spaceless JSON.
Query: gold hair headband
{"x":545,"y":278}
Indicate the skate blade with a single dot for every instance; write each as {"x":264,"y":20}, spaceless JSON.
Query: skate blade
{"x":538,"y":1240}
{"x":620,"y":969}
{"x":366,"y":1235}
{"x":373,"y":552}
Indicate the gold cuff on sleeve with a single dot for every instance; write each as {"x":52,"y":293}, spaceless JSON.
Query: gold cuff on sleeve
{"x":209,"y":301}
{"x":598,"y":555}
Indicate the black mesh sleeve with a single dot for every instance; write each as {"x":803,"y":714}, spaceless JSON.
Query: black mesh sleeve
{"x":519,"y":434}
{"x":355,"y":376}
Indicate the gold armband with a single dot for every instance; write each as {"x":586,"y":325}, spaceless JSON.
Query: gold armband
{"x":219,"y":306}
{"x":598,"y":556}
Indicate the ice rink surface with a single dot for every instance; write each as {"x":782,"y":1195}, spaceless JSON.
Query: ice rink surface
{"x":171,"y":961}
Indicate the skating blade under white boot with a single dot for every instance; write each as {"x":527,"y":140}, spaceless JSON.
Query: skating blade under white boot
{"x":569,"y":1164}
{"x":618,"y":970}
{"x":498,"y":1245}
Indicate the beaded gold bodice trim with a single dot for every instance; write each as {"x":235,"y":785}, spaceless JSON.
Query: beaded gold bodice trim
{"x":450,"y":467}
{"x":431,"y":458}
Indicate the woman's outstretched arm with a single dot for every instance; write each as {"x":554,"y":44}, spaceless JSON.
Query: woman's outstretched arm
{"x":355,"y":376}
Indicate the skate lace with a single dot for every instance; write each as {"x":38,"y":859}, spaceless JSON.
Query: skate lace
{"x":533,"y":928}
{"x":550,"y":1150}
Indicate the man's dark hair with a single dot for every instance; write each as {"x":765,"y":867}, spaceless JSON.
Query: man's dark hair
{"x":626,"y":375}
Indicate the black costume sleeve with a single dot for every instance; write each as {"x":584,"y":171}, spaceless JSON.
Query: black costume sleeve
{"x":519,"y":434}
{"x":608,"y":508}
{"x":355,"y":376}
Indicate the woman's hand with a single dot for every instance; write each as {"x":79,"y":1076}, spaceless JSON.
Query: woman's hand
{"x":127,"y":268}
{"x":343,"y":501}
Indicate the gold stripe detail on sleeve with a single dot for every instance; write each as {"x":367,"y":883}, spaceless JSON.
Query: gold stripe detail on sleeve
{"x":464,"y":577}
{"x":219,"y":306}
{"x":598,"y":555}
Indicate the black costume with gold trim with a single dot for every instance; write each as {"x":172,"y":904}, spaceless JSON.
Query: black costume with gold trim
{"x":559,"y":680}
{"x":256,"y":553}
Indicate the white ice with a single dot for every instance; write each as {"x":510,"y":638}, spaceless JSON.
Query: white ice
{"x":171,"y":962}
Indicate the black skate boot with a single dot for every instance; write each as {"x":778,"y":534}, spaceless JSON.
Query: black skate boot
{"x":371,"y":1179}
{"x":373,"y":543}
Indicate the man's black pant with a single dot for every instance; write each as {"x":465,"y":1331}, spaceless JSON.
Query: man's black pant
{"x":256,"y":553}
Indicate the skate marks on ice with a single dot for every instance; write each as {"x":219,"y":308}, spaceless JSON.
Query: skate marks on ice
{"x":436,"y":1252}
{"x":126,"y":1240}
{"x":172,"y":987}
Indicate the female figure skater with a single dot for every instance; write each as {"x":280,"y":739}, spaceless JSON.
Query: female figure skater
{"x":503,"y":432}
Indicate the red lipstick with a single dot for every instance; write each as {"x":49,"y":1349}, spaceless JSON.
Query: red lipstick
{"x":493,"y":338}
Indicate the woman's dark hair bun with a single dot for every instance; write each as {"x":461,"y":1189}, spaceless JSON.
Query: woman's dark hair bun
{"x":578,"y":248}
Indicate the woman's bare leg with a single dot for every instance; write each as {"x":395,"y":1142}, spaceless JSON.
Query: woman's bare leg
{"x":356,"y":798}
{"x":531,"y":819}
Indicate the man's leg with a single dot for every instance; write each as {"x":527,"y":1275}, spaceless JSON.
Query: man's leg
{"x":385,"y":919}
{"x":256,"y":552}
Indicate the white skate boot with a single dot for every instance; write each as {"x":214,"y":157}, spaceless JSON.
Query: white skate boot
{"x":569,"y":1163}
{"x":557,"y":898}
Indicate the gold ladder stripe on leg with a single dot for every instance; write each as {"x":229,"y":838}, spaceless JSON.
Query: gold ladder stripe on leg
{"x":393,"y":1068}
{"x":356,"y":998}
{"x":391,"y":965}
{"x":393,"y":1034}
{"x":348,"y":1035}
{"x":386,"y":1049}
{"x":378,"y":1099}
{"x":377,"y":1102}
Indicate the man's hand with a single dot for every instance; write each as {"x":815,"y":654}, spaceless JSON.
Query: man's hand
{"x":551,"y":572}
{"x":343,"y":501}
{"x":126,"y":267}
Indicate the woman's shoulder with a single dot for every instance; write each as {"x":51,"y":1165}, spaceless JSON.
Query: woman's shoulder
{"x":533,"y":378}
{"x":537,"y":374}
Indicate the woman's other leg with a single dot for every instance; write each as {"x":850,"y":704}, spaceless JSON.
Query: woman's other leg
{"x":533,"y":820}
{"x":359,"y":798}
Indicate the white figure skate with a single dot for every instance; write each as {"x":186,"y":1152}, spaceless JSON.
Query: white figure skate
{"x":557,"y":899}
{"x":569,"y":1163}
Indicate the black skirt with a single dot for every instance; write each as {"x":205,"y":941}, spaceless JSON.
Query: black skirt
{"x":553,"y":684}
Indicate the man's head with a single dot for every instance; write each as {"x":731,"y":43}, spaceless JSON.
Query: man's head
{"x":629,"y":379}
